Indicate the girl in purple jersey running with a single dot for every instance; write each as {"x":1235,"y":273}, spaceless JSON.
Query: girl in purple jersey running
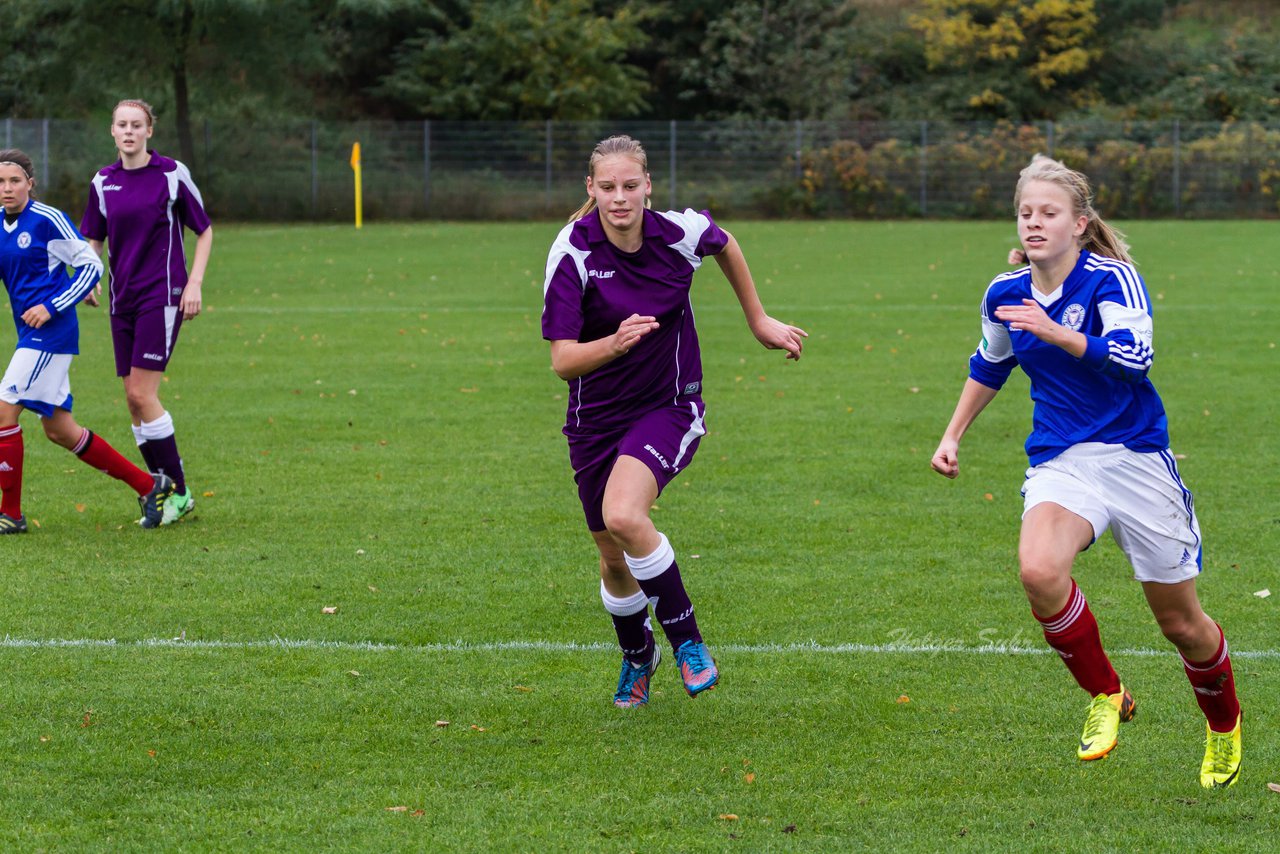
{"x":618,"y":316}
{"x":139,"y":206}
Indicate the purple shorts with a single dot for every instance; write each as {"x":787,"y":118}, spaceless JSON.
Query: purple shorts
{"x":146,"y":339}
{"x":664,"y":440}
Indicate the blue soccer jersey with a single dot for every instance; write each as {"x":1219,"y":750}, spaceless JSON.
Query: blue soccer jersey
{"x":35,"y":251}
{"x":592,"y":286}
{"x":1104,"y":396}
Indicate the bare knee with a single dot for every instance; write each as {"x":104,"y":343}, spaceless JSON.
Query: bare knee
{"x":139,"y":403}
{"x":627,"y":526}
{"x":1046,"y":582}
{"x":62,"y":432}
{"x":1188,"y":631}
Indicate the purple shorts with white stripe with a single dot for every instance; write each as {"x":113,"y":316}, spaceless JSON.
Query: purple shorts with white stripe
{"x":145,"y":339}
{"x":664,"y":440}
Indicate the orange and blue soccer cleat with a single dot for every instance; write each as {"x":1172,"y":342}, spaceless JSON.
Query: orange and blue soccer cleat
{"x":633,"y":681}
{"x":697,"y":667}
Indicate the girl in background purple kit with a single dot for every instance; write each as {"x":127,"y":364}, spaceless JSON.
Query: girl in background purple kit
{"x":139,"y":205}
{"x":618,"y":316}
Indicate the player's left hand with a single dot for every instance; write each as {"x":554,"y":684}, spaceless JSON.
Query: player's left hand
{"x":776,"y":335}
{"x":91,"y":298}
{"x":36,"y":316}
{"x":191,"y":302}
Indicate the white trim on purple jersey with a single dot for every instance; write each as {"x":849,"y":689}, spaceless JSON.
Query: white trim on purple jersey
{"x":591,"y":286}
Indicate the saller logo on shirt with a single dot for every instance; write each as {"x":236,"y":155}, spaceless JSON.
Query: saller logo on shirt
{"x":112,"y":187}
{"x":600,"y":274}
{"x":153,"y":356}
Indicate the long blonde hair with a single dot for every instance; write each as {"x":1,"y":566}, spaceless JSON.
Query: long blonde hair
{"x":1099,"y":237}
{"x":620,"y":144}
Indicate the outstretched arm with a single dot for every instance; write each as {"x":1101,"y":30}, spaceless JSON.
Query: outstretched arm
{"x":973,"y":399}
{"x":773,"y":334}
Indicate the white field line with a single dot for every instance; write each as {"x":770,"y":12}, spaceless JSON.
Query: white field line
{"x":573,"y":647}
{"x":436,"y":312}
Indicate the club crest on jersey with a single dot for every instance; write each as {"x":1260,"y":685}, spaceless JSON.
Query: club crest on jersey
{"x":24,"y":240}
{"x":1073,"y":317}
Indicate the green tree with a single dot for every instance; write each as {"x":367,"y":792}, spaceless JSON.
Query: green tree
{"x":76,"y":58}
{"x":785,"y":59}
{"x":522,"y":59}
{"x":1014,"y":58}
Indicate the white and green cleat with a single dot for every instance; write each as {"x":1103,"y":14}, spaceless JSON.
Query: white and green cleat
{"x":176,"y":506}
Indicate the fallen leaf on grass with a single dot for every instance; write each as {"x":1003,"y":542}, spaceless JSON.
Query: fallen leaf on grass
{"x":397,"y":809}
{"x":988,"y":496}
{"x":417,"y":813}
{"x":523,"y":689}
{"x":1263,"y":593}
{"x":442,"y":723}
{"x":45,"y":738}
{"x":903,"y":698}
{"x":727,"y":816}
{"x":750,"y":777}
{"x":478,"y":728}
{"x":79,"y":508}
{"x":329,"y":609}
{"x":208,"y":493}
{"x":87,"y":722}
{"x":151,"y":753}
{"x":1275,"y":787}
{"x":790,"y":828}
{"x":353,"y":673}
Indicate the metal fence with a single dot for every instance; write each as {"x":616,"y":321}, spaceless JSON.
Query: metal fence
{"x":498,"y":170}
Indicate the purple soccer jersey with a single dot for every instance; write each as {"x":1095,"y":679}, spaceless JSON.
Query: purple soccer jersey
{"x":141,"y":213}
{"x":591,"y":286}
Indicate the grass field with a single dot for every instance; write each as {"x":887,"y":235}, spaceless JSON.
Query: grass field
{"x":370,"y":424}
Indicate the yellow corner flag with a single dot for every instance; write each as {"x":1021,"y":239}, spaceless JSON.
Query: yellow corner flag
{"x":355,"y":166}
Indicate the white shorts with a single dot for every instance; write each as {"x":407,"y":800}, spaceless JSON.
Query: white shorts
{"x":1139,"y":496}
{"x":38,"y":380}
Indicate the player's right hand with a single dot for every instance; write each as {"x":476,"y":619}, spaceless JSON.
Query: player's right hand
{"x":91,"y":298}
{"x":631,"y":330}
{"x":946,"y":460}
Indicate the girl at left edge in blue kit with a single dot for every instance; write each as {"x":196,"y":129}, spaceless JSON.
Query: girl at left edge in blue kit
{"x":37,"y":246}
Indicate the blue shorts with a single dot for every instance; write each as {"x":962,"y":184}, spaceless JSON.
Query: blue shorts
{"x":664,"y":440}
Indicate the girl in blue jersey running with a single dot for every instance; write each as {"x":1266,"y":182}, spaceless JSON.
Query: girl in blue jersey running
{"x":38,"y":246}
{"x":1078,"y":321}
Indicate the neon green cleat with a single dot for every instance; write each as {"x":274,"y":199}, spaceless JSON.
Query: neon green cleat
{"x":1106,"y":712}
{"x":1221,"y":764}
{"x":176,"y":506}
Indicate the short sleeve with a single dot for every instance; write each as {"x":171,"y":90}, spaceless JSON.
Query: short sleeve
{"x":189,"y":204}
{"x":563,"y":288}
{"x":93,"y":225}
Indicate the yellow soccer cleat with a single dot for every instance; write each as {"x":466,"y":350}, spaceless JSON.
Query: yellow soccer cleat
{"x":1106,"y":712}
{"x":1221,"y":764}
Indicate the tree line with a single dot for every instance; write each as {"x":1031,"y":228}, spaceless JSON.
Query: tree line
{"x":255,"y":61}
